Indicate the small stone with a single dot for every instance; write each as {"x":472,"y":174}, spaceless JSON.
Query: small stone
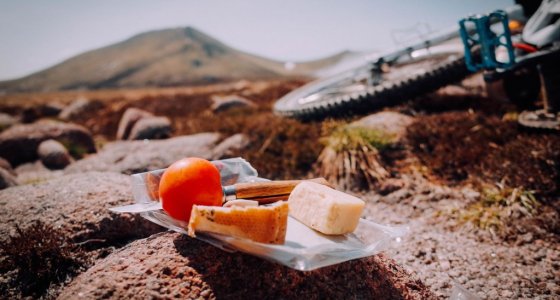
{"x":53,"y":155}
{"x":541,"y":253}
{"x":390,"y":185}
{"x":492,"y":282}
{"x":420,"y":253}
{"x":128,"y":119}
{"x":224,"y":103}
{"x":492,"y":294}
{"x":150,"y":128}
{"x":445,"y":265}
{"x":166,"y":271}
{"x":205,"y":293}
{"x":506,"y":294}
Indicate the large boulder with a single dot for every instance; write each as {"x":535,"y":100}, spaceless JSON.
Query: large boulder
{"x":19,"y":143}
{"x":128,"y":119}
{"x":139,"y":156}
{"x":53,"y":155}
{"x":78,"y":107}
{"x":149,"y":128}
{"x":171,"y":265}
{"x":39,"y":111}
{"x":78,"y":205}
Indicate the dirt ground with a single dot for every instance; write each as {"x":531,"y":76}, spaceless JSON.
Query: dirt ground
{"x":459,"y":153}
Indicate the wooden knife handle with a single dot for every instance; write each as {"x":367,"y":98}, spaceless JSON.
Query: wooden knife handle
{"x":269,"y":190}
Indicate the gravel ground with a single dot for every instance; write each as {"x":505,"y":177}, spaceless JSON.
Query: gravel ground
{"x":444,"y":256}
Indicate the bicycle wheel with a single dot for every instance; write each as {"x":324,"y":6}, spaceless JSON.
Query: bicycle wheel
{"x":352,"y":92}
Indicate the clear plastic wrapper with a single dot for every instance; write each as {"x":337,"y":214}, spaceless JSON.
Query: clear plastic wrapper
{"x":305,"y":249}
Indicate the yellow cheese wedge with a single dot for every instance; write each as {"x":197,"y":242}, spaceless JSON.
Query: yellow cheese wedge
{"x":325,"y":209}
{"x":264,"y":224}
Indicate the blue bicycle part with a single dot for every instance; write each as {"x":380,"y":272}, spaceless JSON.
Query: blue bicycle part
{"x":486,"y":38}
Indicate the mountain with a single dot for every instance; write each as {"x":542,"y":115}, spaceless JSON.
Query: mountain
{"x":161,"y":58}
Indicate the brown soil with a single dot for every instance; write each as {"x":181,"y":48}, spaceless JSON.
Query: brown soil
{"x":459,"y":146}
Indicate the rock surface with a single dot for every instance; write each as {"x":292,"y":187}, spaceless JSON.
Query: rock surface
{"x":36,"y":112}
{"x":169,"y":265}
{"x":390,"y":122}
{"x":151,"y":128}
{"x":223,"y":103}
{"x":77,"y":204}
{"x":127,"y":121}
{"x":53,"y":155}
{"x":445,"y":255}
{"x":34,"y":172}
{"x":7,"y":121}
{"x":7,"y":179}
{"x":139,"y":156}
{"x":78,"y":107}
{"x":4,"y":164}
{"x":228,"y":146}
{"x":19,"y":143}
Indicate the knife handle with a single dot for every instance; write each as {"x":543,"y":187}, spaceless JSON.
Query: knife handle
{"x":270,"y":191}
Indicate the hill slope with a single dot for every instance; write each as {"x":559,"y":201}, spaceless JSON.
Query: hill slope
{"x":159,"y":58}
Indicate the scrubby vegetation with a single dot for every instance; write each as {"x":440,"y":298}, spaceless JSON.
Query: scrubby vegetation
{"x":469,"y":146}
{"x":499,"y":205}
{"x":40,"y":256}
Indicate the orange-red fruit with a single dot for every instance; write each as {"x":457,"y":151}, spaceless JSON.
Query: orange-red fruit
{"x":187,"y":182}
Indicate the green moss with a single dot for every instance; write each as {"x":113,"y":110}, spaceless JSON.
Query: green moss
{"x":347,"y":137}
{"x":77,"y":151}
{"x":351,"y":156}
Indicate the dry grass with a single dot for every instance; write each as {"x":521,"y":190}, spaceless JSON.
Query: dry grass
{"x":351,"y":157}
{"x":498,"y":206}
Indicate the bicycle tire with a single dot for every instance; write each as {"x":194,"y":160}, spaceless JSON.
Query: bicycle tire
{"x":391,"y":91}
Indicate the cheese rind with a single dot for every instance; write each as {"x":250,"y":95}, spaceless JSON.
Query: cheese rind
{"x":325,"y":209}
{"x":264,"y":224}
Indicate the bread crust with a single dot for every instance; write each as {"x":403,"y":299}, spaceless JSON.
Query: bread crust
{"x":263,"y":224}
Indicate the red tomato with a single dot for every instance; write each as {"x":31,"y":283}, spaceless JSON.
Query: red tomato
{"x":187,"y":182}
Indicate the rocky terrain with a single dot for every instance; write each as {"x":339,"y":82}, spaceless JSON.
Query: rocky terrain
{"x":478,"y":194}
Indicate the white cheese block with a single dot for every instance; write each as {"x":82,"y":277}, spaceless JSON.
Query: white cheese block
{"x":325,"y":209}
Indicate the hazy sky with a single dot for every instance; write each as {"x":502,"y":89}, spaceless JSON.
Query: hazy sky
{"x":38,"y":34}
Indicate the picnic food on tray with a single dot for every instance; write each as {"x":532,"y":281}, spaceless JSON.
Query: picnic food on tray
{"x":324,"y":209}
{"x":187,"y":182}
{"x":190,"y":191}
{"x":264,"y":223}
